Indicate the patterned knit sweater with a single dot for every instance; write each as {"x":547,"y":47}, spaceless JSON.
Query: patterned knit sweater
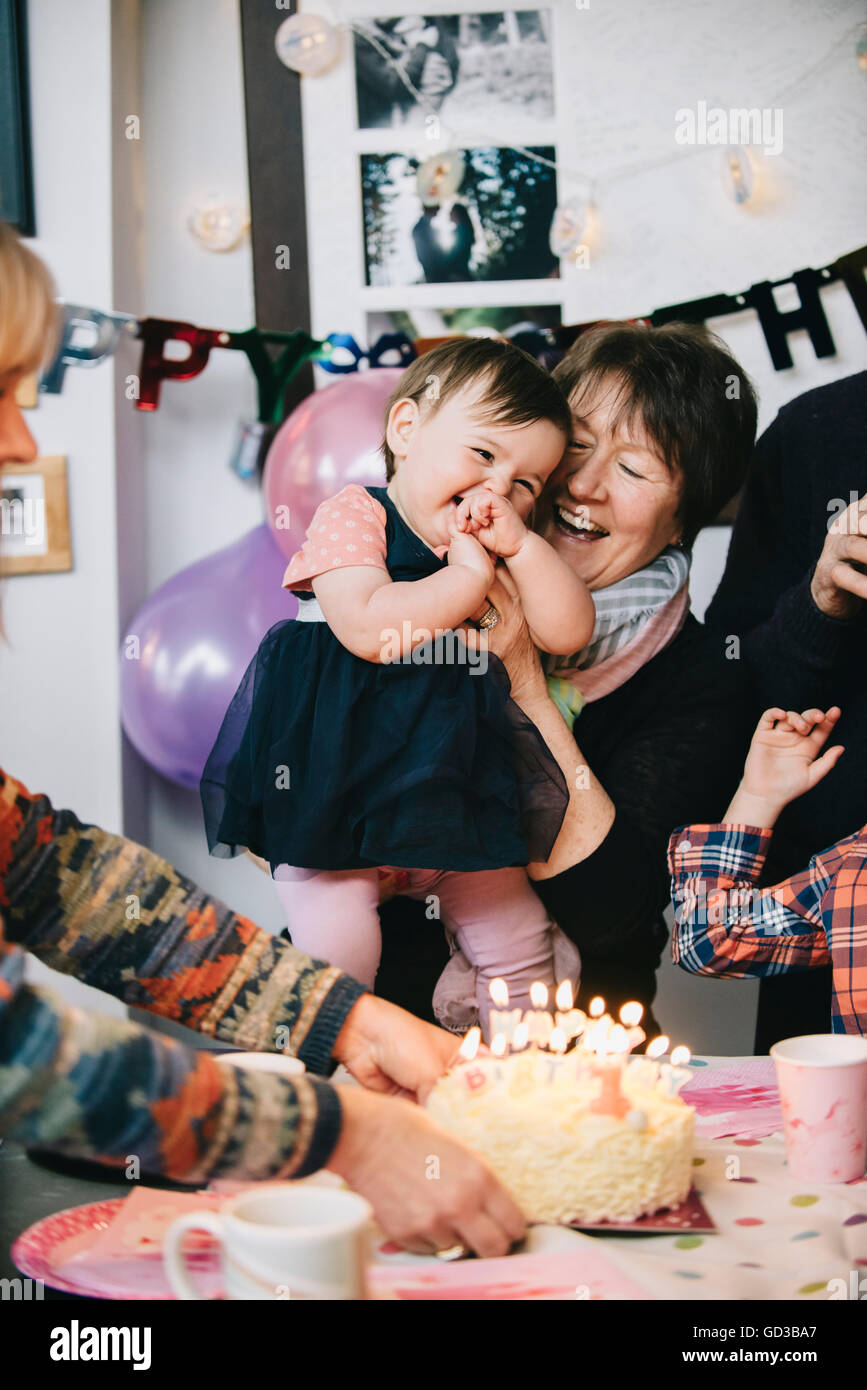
{"x":116,"y":916}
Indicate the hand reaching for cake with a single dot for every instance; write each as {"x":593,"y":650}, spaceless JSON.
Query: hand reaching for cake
{"x":428,"y":1191}
{"x":387,"y":1049}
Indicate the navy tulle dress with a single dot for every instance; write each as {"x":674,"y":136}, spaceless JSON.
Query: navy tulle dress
{"x":327,"y":761}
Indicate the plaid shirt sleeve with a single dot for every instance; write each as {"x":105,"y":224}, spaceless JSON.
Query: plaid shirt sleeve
{"x":724,"y":924}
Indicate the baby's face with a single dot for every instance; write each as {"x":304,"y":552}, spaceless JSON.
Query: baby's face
{"x":442,"y":457}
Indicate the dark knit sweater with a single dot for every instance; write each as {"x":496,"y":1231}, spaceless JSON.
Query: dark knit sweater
{"x":806,"y":465}
{"x":668,"y":748}
{"x":813,"y":453}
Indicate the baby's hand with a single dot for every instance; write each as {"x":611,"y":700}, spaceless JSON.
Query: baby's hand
{"x":493,"y":521}
{"x":783,"y":761}
{"x":466,"y":550}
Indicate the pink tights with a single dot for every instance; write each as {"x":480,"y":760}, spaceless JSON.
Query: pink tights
{"x":494,"y":916}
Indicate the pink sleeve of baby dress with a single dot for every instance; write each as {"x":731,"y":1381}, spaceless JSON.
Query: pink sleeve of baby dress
{"x":347,"y":530}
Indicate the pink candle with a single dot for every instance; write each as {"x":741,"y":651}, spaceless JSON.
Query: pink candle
{"x":611,"y":1100}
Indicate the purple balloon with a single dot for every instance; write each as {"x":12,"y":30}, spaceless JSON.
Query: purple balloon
{"x":188,"y":646}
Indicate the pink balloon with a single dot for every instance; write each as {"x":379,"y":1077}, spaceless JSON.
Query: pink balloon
{"x":331,"y":439}
{"x":188,"y":646}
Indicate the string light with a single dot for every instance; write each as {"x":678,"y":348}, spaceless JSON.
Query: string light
{"x":218,"y":225}
{"x":738,"y":175}
{"x":569,"y":227}
{"x":440,"y":177}
{"x":307,"y":44}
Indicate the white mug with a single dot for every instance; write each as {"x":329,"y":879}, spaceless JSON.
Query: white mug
{"x":281,"y":1241}
{"x":263,"y":1061}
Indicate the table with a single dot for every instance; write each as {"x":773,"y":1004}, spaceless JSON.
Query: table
{"x":776,"y":1238}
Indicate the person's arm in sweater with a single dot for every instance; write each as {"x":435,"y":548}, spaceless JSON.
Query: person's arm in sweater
{"x":794,"y":613}
{"x":109,"y":1090}
{"x":120,"y":918}
{"x":724,"y":925}
{"x":97,"y":1088}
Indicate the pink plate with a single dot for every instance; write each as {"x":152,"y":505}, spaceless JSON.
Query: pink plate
{"x":55,"y":1250}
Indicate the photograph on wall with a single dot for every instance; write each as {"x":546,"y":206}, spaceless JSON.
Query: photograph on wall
{"x":482,"y":214}
{"x":511,"y":322}
{"x":34,"y":518}
{"x":464,"y":67}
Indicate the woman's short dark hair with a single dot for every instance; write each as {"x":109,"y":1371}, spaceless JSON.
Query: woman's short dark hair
{"x":696,"y":403}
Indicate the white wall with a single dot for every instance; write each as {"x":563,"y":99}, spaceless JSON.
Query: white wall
{"x":59,"y":716}
{"x":664,"y":237}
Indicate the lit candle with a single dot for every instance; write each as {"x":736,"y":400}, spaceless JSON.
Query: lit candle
{"x":644,"y":1071}
{"x":570,"y":1021}
{"x":596,"y":1034}
{"x":523,"y":1068}
{"x":611,"y":1049}
{"x":539,"y":995}
{"x":557,"y":1043}
{"x":611,"y":1100}
{"x":504,"y":1022}
{"x":499,"y":1048}
{"x":499,"y":992}
{"x":676,"y":1075}
{"x":539,"y":1022}
{"x":630,"y":1016}
{"x":470,"y":1045}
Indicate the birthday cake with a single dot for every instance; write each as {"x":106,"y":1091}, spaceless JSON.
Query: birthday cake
{"x":572,"y":1141}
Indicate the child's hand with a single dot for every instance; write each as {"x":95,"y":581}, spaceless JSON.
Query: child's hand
{"x":493,"y":521}
{"x":466,"y":550}
{"x":783,"y":761}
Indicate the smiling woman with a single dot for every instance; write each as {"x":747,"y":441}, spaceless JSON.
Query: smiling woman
{"x":663,"y":421}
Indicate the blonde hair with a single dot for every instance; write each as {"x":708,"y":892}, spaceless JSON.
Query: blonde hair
{"x":29,"y":317}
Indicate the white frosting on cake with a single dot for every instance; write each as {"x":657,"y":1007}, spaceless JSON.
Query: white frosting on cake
{"x":530,"y":1116}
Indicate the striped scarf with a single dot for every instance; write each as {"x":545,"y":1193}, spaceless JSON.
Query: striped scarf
{"x":635,"y":619}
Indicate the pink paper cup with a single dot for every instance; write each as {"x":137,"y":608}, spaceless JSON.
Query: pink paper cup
{"x":822,"y":1078}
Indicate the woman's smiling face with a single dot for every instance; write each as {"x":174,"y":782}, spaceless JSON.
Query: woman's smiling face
{"x":611,"y":505}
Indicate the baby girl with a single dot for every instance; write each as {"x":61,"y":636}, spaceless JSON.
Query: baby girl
{"x":362,"y":736}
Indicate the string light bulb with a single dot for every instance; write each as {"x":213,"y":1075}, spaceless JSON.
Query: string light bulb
{"x":440,"y":177}
{"x":570,"y":229}
{"x":217,"y":224}
{"x":307,"y":44}
{"x":738,"y":174}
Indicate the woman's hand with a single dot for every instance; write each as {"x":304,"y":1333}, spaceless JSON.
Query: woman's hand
{"x":510,"y":640}
{"x":390,"y":1050}
{"x":839,"y":583}
{"x":783,"y":762}
{"x":427,"y":1190}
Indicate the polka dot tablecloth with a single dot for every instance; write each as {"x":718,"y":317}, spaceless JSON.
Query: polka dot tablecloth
{"x":776,"y":1237}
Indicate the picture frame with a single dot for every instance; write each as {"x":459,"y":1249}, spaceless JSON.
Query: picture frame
{"x":16,"y":169}
{"x":34,"y":517}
